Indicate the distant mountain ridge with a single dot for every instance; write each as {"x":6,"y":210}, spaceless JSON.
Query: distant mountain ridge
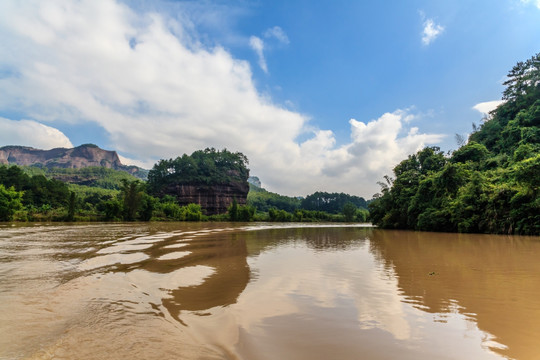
{"x":87,"y":155}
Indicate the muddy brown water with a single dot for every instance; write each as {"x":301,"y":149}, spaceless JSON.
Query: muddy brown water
{"x":259,"y":291}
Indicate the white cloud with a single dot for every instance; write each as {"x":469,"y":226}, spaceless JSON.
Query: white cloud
{"x":257,"y":45}
{"x":278,"y":33}
{"x":535,"y":2}
{"x":159,"y":93}
{"x":431,"y":31}
{"x":486,"y":107}
{"x":128,"y":161}
{"x":380,"y":144}
{"x":31,"y":133}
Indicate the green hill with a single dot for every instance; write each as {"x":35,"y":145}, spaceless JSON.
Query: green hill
{"x":94,"y":176}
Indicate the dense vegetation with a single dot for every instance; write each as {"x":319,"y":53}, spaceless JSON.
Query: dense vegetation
{"x":33,"y":191}
{"x":209,"y":166}
{"x":93,"y":176}
{"x":488,"y":185}
{"x":263,"y":200}
{"x":331,"y":202}
{"x":319,"y":206}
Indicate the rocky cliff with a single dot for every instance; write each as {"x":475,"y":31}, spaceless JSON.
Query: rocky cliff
{"x":79,"y":157}
{"x":214,"y":199}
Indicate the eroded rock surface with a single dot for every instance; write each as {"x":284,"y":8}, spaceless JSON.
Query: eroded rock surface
{"x":214,"y":199}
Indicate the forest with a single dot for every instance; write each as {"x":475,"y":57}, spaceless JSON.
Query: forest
{"x":99,"y":194}
{"x":488,"y":185}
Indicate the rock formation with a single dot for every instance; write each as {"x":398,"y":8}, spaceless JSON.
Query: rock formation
{"x":79,"y":157}
{"x":214,"y":199}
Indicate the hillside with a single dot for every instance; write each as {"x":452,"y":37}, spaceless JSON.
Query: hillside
{"x":83,"y":156}
{"x":489,"y":185}
{"x":94,"y":176}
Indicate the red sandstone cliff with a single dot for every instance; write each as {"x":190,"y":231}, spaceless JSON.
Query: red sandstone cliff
{"x":214,"y":199}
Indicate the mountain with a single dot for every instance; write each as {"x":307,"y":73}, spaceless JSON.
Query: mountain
{"x":87,"y":155}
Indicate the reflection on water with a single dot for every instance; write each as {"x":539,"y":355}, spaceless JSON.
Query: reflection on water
{"x":225,"y":291}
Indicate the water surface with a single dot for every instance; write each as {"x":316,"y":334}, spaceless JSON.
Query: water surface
{"x":254,"y":291}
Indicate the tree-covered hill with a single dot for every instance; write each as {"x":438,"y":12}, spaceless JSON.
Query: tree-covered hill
{"x":264,"y":200}
{"x":331,"y":202}
{"x":94,"y":176}
{"x":488,"y":185}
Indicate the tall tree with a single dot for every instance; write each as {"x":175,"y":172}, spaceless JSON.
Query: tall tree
{"x":132,"y":194}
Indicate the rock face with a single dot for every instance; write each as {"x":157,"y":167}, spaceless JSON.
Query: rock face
{"x":79,"y":157}
{"x":214,"y":199}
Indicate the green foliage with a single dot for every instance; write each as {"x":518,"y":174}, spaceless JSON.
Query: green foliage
{"x":209,"y":166}
{"x":93,"y":176}
{"x":472,"y":151}
{"x":71,"y":207}
{"x":168,"y":209}
{"x":10,"y":201}
{"x":132,"y":195}
{"x":147,"y":207}
{"x":233,"y":211}
{"x":263,"y":200}
{"x":112,"y":209}
{"x":279,"y":215}
{"x":320,"y":206}
{"x":38,"y":190}
{"x":331,"y":202}
{"x":240,"y":212}
{"x":246,"y":213}
{"x":488,"y":185}
{"x":191,"y":212}
{"x":362,"y":215}
{"x":349,"y":211}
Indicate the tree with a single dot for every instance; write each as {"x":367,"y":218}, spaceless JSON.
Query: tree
{"x":233,"y":211}
{"x":71,"y":207}
{"x":473,"y":151}
{"x":349,"y":210}
{"x":192,"y":212}
{"x":246,"y":213}
{"x":523,"y":79}
{"x":112,"y":209}
{"x":132,"y":193}
{"x":10,"y":201}
{"x":148,"y":205}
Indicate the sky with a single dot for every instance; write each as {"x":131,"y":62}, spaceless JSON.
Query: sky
{"x":319,"y":95}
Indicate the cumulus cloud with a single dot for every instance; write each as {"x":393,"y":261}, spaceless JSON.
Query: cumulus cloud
{"x":158,"y":93}
{"x":431,"y":31}
{"x":31,"y":133}
{"x":257,"y":45}
{"x":486,"y":107}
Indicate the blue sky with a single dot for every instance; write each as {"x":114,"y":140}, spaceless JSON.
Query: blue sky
{"x":325,"y":95}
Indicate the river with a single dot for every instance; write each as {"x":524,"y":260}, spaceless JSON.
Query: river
{"x":265,"y":291}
